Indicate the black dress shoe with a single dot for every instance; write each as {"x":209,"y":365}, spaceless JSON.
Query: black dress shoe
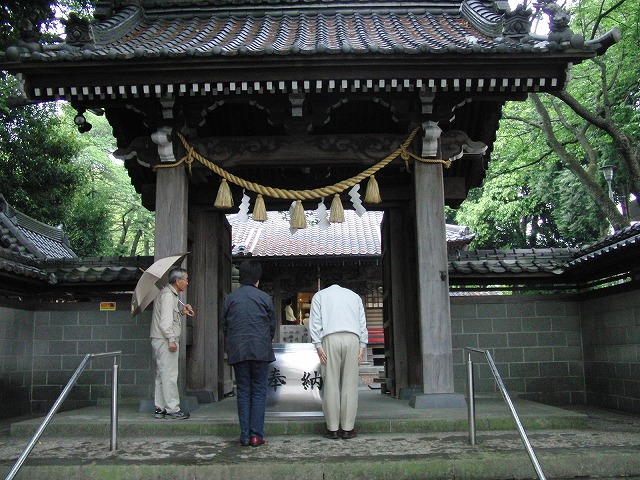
{"x":347,"y":434}
{"x":245,"y":443}
{"x":332,"y":434}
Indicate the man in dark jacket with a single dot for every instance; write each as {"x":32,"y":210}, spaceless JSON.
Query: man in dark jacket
{"x":249,"y":323}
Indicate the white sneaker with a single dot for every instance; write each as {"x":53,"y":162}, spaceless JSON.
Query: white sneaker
{"x":179,"y":415}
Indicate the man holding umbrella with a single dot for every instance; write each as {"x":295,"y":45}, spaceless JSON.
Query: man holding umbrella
{"x":166,"y":327}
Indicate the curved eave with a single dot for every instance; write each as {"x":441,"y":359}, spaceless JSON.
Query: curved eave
{"x":139,"y":78}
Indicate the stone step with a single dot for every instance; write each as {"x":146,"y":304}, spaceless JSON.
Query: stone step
{"x":393,"y":442}
{"x":562,"y":454}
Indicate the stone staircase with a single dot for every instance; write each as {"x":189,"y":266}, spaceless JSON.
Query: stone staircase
{"x":394,"y":442}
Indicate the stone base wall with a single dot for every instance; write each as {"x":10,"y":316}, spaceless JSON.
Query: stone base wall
{"x":534,"y":340}
{"x":16,"y":361}
{"x":547,"y":348}
{"x":611,"y":337}
{"x":57,"y":339}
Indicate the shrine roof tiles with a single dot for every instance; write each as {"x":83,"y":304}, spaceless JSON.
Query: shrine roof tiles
{"x":273,"y":238}
{"x":627,"y":239}
{"x":513,"y":261}
{"x":356,"y":236}
{"x":28,"y":237}
{"x":345,"y":28}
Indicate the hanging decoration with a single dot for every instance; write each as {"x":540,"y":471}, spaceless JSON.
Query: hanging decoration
{"x":259,"y":209}
{"x":321,"y":215}
{"x":243,"y":208}
{"x":336,"y":212}
{"x":372,"y":195}
{"x":354,"y":193}
{"x":298,"y":218}
{"x":224,"y":198}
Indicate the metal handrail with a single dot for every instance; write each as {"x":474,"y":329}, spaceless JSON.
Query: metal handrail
{"x":471,"y":406}
{"x":62,"y":397}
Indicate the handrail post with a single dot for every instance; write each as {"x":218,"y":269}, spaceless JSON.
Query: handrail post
{"x":521,"y":430}
{"x":471,"y":405}
{"x":45,"y":422}
{"x":61,"y":398}
{"x":507,"y":399}
{"x":113,"y":444}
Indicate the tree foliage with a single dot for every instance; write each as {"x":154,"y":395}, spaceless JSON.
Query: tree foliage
{"x":34,"y":20}
{"x":129,"y":227}
{"x":544,"y":187}
{"x":50,"y":171}
{"x":38,"y":173}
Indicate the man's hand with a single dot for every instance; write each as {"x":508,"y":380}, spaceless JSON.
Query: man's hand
{"x":187,"y":310}
{"x":322,"y":355}
{"x":360,"y":355}
{"x":173,"y":346}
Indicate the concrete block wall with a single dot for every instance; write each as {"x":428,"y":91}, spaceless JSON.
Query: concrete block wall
{"x":535,"y":342}
{"x":65,"y":334}
{"x":611,"y":333}
{"x":16,"y":360}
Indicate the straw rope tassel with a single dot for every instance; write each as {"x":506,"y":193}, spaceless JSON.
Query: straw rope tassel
{"x":298,"y":220}
{"x":336,"y":214}
{"x":224,"y":198}
{"x":259,"y":209}
{"x":372,"y":195}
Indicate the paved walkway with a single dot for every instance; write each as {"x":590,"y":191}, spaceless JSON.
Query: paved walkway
{"x":395,"y":442}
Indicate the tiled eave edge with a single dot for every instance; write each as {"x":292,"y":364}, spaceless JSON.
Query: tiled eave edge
{"x":623,"y":241}
{"x":491,"y":85}
{"x":314,"y":259}
{"x":13,"y":264}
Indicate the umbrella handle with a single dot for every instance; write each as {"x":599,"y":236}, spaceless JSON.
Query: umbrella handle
{"x":189,"y":312}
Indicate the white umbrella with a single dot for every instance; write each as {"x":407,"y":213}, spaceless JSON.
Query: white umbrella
{"x":152,"y":281}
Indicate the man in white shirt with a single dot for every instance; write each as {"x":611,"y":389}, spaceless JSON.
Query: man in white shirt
{"x":338,"y":329}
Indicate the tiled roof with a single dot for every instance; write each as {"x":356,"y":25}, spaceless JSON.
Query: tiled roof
{"x":514,"y":261}
{"x":22,"y":234}
{"x":13,"y":263}
{"x":285,"y":33}
{"x":125,"y":270}
{"x":234,"y":48}
{"x":358,"y":235}
{"x":273,"y":237}
{"x":251,"y":28}
{"x":627,"y":239}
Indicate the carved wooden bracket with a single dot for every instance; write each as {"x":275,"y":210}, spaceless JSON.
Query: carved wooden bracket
{"x":455,"y":143}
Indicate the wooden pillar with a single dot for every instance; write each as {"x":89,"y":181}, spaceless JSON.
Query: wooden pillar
{"x":202,"y":361}
{"x":403,"y":361}
{"x":433,"y":291}
{"x":277,"y":305}
{"x":172,"y":192}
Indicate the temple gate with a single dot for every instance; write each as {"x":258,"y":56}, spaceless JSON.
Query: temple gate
{"x":286,"y":101}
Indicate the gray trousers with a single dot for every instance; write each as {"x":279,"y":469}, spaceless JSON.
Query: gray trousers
{"x":166,"y":391}
{"x":340,"y":380}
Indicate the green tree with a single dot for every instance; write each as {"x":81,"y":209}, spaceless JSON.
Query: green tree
{"x":121,"y":225}
{"x":34,"y":20}
{"x":544,"y":187}
{"x":595,"y":121}
{"x":49,"y":170}
{"x":38,"y":173}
